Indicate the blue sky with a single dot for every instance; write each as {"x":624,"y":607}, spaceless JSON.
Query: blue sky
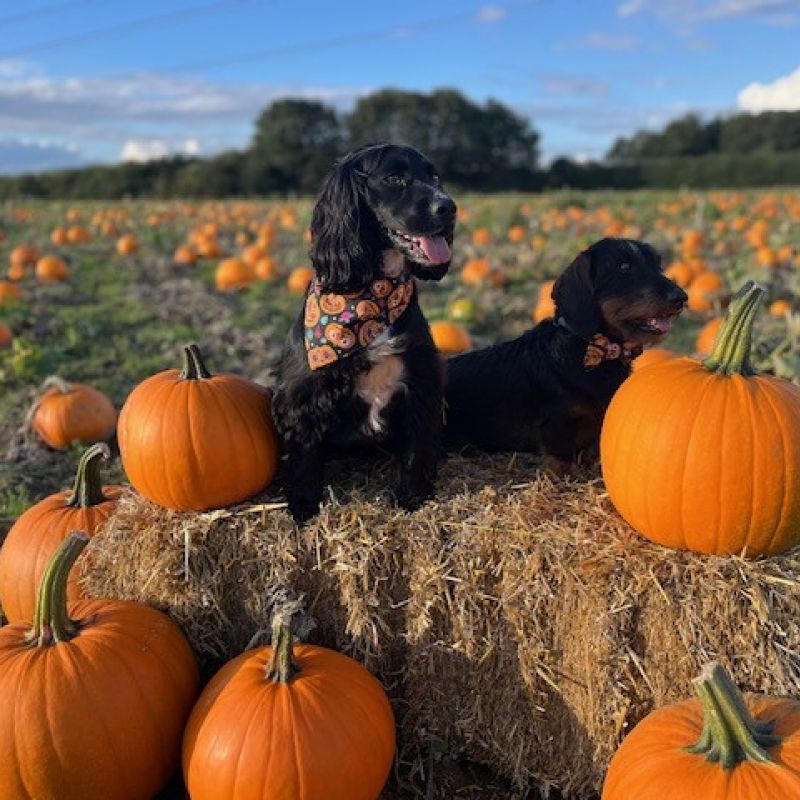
{"x":84,"y":81}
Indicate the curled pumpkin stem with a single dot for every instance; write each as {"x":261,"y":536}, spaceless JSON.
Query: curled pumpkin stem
{"x":194,"y":367}
{"x":88,"y":488}
{"x":731,"y":735}
{"x":51,"y":622}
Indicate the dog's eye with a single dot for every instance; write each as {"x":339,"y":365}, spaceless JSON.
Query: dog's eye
{"x":396,"y":180}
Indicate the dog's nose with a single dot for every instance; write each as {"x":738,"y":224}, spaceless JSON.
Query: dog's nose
{"x":677,"y":296}
{"x":443,"y":206}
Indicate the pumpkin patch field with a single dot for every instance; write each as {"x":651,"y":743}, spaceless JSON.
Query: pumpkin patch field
{"x":520,"y":624}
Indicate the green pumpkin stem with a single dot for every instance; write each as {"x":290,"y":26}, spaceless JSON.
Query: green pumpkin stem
{"x":88,"y":488}
{"x":731,"y":736}
{"x":731,"y":352}
{"x":194,"y":367}
{"x":51,"y":622}
{"x":282,"y":668}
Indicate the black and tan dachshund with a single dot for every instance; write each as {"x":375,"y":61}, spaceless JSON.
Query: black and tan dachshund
{"x":548,"y":390}
{"x":360,"y":365}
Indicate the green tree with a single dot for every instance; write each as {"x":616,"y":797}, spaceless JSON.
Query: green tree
{"x":296,"y":142}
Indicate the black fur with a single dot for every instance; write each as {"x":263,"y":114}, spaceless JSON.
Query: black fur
{"x":370,"y":198}
{"x":534,"y":393}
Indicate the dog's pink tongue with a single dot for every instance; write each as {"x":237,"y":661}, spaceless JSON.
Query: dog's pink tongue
{"x":436,"y":249}
{"x":662,"y":324}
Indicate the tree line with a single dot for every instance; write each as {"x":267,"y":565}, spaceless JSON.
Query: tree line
{"x":477,"y":147}
{"x":482,"y":147}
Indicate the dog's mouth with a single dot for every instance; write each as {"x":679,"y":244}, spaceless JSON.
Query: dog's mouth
{"x":424,"y":249}
{"x":657,"y":326}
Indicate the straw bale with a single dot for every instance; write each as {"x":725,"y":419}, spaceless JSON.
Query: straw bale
{"x":515,"y":620}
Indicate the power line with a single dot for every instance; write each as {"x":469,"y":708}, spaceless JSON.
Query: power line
{"x":56,"y":8}
{"x":122,"y":28}
{"x":314,"y":45}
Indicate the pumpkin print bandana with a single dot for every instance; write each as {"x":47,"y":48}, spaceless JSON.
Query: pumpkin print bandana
{"x":601,"y":349}
{"x":338,"y":325}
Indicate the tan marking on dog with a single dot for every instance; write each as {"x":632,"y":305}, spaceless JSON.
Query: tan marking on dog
{"x":377,"y":386}
{"x":394,"y":263}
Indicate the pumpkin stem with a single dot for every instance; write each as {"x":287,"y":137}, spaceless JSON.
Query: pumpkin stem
{"x":282,"y":668}
{"x":194,"y":367}
{"x":88,"y":487}
{"x":730,"y":734}
{"x":54,"y":382}
{"x":731,"y":352}
{"x":51,"y":622}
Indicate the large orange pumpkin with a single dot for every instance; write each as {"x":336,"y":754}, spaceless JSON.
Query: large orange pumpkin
{"x":36,"y":535}
{"x":653,"y":355}
{"x":193,"y":441}
{"x":69,"y":412}
{"x":289,"y":723}
{"x":706,"y":456}
{"x":722,"y":746}
{"x":92,"y":703}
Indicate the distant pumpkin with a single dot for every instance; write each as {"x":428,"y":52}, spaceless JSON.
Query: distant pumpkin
{"x":6,"y":336}
{"x":9,"y":291}
{"x":127,"y":245}
{"x":69,"y":412}
{"x":299,"y":279}
{"x":450,"y":338}
{"x":232,"y":274}
{"x":50,"y":269}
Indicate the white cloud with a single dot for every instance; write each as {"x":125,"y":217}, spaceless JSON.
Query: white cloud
{"x":691,"y":11}
{"x":490,"y":14}
{"x":26,"y":155}
{"x":782,"y":94}
{"x":562,"y":84}
{"x":141,"y":150}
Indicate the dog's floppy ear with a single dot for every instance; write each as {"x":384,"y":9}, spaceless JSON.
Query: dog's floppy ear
{"x":344,"y":242}
{"x":573,"y":295}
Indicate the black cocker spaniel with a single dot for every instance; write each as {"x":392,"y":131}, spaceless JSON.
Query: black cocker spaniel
{"x":547,"y":391}
{"x":359,"y":365}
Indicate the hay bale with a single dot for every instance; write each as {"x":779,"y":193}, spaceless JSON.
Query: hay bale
{"x":517,"y":620}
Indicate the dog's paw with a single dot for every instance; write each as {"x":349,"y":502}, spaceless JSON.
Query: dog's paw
{"x":303,"y":509}
{"x":411,"y":500}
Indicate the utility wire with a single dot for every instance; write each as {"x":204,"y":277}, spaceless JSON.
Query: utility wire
{"x":33,"y":13}
{"x":122,"y":28}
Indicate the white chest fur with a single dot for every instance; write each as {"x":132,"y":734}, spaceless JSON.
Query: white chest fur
{"x":384,"y":378}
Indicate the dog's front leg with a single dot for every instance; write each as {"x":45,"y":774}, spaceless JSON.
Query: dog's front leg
{"x":305,"y":481}
{"x":420,"y":450}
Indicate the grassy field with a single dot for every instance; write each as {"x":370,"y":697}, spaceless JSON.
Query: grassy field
{"x":117,"y":319}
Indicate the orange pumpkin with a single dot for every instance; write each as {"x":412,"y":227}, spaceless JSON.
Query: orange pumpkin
{"x":450,"y":338}
{"x":36,"y":535}
{"x":127,"y":245}
{"x":289,"y":722}
{"x":545,"y":306}
{"x":779,"y":308}
{"x":193,"y":441}
{"x":266,"y":269}
{"x":92,"y":703}
{"x":481,"y":237}
{"x":51,"y":268}
{"x":77,"y":234}
{"x":9,"y":291}
{"x":24,"y":255}
{"x":299,"y":279}
{"x":706,"y":456}
{"x":6,"y":336}
{"x":233,"y":273}
{"x":653,"y":355}
{"x":59,"y":237}
{"x":185,"y":256}
{"x":517,"y":234}
{"x":721,"y":745}
{"x":681,"y":273}
{"x":708,"y":334}
{"x":16,"y":272}
{"x":69,"y":412}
